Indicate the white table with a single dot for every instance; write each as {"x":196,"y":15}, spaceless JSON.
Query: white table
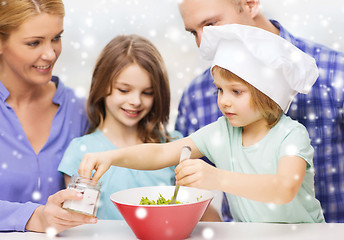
{"x":119,"y":230}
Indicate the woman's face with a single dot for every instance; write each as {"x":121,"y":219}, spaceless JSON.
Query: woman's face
{"x":132,"y":97}
{"x":29,"y":54}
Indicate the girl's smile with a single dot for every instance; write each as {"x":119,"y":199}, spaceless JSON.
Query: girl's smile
{"x":131,"y":97}
{"x":132,"y":113}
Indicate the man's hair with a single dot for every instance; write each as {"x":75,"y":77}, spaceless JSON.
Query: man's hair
{"x":269,"y":109}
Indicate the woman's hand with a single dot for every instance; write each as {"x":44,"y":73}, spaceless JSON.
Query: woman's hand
{"x":199,"y":174}
{"x":53,"y":216}
{"x":100,"y":161}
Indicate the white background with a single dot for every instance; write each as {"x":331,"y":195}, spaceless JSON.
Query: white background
{"x":91,"y":24}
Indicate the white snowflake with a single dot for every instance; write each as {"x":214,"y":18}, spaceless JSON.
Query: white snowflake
{"x":80,"y":91}
{"x":36,"y":195}
{"x":194,"y":121}
{"x":51,"y":232}
{"x":4,"y":166}
{"x":180,"y":75}
{"x":271,"y":206}
{"x":174,"y":34}
{"x":208,"y":233}
{"x":76,"y":45}
{"x":291,"y":149}
{"x":161,"y":184}
{"x":84,"y":55}
{"x":325,"y":23}
{"x":293,"y":227}
{"x":153,"y":33}
{"x":293,"y":107}
{"x":312,"y":116}
{"x":89,"y":41}
{"x":89,"y":22}
{"x":83,"y":148}
{"x":141,"y":213}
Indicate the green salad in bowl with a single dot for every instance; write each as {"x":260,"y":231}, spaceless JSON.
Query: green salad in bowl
{"x":161,"y":201}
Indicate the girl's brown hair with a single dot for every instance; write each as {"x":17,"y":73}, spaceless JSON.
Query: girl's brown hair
{"x":118,"y":54}
{"x":269,"y":109}
{"x":13,"y":13}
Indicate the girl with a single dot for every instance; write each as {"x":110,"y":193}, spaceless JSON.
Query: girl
{"x":263,"y":158}
{"x":39,"y":116}
{"x":129,"y":104}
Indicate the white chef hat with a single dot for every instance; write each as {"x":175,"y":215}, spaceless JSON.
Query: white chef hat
{"x":265,"y":60}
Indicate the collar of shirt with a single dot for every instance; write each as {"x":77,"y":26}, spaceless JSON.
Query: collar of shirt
{"x":58,"y":97}
{"x":283,"y":32}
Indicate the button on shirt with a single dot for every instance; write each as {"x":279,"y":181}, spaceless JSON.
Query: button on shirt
{"x":27,"y":179}
{"x":321,"y":111}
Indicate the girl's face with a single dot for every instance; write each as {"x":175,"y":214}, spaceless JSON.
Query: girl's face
{"x":131,"y":98}
{"x":29,"y":54}
{"x":234,"y":101}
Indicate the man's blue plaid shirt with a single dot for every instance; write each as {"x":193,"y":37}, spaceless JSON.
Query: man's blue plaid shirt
{"x":321,"y":111}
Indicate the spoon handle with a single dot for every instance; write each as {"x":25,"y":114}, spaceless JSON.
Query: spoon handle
{"x":185,"y":154}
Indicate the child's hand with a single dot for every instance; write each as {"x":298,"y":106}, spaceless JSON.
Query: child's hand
{"x":100,"y":162}
{"x":199,"y":174}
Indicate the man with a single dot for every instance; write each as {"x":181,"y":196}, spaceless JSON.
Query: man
{"x":321,"y":111}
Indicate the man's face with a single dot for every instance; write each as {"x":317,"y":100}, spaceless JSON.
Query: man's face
{"x":197,"y":14}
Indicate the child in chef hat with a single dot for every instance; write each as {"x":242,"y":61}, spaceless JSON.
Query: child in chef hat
{"x":263,"y":158}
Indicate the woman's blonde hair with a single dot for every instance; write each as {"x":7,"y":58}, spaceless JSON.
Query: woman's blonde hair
{"x":119,"y":53}
{"x":13,"y":13}
{"x":269,"y":109}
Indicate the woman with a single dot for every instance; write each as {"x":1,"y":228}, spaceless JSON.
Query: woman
{"x":38,"y":118}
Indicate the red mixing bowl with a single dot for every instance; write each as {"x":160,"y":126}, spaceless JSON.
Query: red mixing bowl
{"x":162,"y":222}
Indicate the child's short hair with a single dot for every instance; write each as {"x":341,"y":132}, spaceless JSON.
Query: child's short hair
{"x":269,"y":109}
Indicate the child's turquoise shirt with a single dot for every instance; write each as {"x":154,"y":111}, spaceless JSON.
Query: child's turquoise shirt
{"x":116,"y":178}
{"x":222,"y":144}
